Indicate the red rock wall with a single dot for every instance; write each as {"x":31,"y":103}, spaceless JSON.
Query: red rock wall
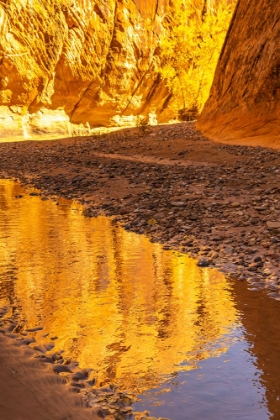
{"x":244,"y":103}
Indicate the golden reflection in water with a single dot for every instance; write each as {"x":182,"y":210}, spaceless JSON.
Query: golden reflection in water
{"x":117,"y":303}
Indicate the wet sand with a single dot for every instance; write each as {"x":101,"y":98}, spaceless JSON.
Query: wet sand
{"x":28,"y":390}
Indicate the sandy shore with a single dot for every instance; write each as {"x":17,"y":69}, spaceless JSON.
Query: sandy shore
{"x":28,"y":390}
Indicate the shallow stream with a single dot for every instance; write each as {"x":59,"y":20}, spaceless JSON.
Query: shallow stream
{"x":188,"y":343}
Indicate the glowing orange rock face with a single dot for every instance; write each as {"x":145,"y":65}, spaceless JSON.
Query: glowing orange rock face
{"x":81,"y":62}
{"x":69,"y":66}
{"x":151,"y":8}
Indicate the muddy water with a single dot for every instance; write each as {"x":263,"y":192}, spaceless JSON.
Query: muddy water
{"x":185,"y":341}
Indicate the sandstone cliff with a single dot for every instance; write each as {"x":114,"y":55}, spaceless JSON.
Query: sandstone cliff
{"x":244,"y":104}
{"x":67,"y":66}
{"x":82,"y":61}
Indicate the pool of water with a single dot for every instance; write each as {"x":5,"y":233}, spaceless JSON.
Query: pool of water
{"x":185,"y":341}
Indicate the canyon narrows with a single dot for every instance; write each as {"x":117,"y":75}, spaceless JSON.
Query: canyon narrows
{"x":66,"y":67}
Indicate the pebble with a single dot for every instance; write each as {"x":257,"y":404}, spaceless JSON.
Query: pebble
{"x":81,"y":375}
{"x":202,"y":262}
{"x":43,"y":348}
{"x":34,"y":329}
{"x":61,"y":368}
{"x":26,"y":341}
{"x":273,"y":225}
{"x":178,"y":204}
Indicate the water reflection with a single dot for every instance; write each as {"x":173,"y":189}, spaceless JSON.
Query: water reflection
{"x":115,"y":301}
{"x":260,"y":316}
{"x":146,"y":319}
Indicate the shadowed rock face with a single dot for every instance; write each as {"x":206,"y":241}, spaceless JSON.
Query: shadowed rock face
{"x":244,"y":102}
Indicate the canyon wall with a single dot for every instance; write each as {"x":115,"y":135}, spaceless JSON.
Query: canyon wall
{"x":69,"y":65}
{"x":244,"y":102}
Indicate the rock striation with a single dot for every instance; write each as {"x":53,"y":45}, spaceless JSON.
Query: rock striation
{"x":67,"y":66}
{"x":244,"y":103}
{"x":84,"y":62}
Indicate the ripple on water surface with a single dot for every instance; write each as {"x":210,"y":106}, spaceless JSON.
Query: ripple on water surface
{"x":146,"y":319}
